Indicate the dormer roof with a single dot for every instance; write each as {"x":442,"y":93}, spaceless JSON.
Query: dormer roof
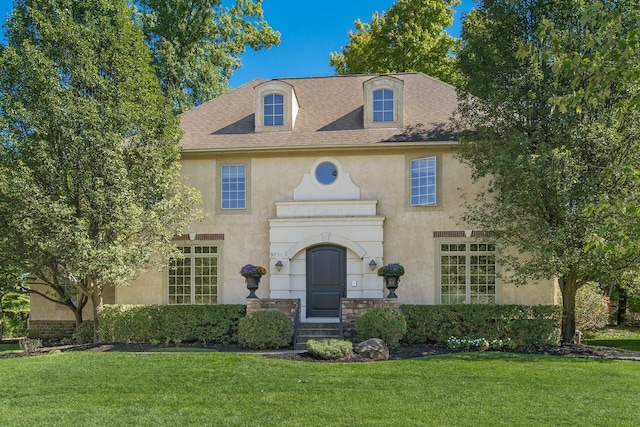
{"x":331,"y":112}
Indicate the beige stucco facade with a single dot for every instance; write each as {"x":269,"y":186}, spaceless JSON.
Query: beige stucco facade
{"x":367,"y":213}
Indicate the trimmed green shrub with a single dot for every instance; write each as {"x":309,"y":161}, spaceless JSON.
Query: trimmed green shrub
{"x":265,"y":330}
{"x":171,"y":323}
{"x":592,"y":310}
{"x":524,"y":325}
{"x":83,"y":333}
{"x":33,"y":333}
{"x":384,"y":323}
{"x":57,"y":332}
{"x":329,"y":349}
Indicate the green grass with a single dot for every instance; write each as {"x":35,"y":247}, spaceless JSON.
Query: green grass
{"x":627,"y":338}
{"x":234,"y":389}
{"x":9,"y":348}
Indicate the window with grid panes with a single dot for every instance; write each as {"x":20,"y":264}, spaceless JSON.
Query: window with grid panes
{"x":423,"y":182}
{"x":467,"y":273}
{"x":274,"y":110}
{"x":234,"y":190}
{"x":383,"y":108}
{"x":194,"y":278}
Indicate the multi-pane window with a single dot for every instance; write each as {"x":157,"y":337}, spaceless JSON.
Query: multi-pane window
{"x":234,"y":186}
{"x":193,"y":279}
{"x":274,"y":110}
{"x":383,"y":105}
{"x":467,"y":273}
{"x":70,"y":290}
{"x":423,"y":182}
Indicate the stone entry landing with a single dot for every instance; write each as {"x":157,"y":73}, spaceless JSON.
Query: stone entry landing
{"x":303,"y":331}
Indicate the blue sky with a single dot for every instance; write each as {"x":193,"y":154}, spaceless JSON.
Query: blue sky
{"x":309,"y":30}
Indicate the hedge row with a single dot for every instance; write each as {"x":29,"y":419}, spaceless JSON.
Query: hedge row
{"x":171,"y":323}
{"x":525,"y":325}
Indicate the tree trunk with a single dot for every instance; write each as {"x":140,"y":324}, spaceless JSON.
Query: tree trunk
{"x":1,"y":320}
{"x":569,"y":288}
{"x":621,"y":315}
{"x":77,"y":313}
{"x":96,"y":304}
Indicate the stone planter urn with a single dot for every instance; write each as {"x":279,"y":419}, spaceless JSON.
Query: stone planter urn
{"x":391,"y":282}
{"x":252,"y":274}
{"x":252,"y":284}
{"x":391,"y":274}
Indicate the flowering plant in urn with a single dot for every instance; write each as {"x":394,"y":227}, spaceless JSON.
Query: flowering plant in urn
{"x":393,"y":269}
{"x":253,"y":270}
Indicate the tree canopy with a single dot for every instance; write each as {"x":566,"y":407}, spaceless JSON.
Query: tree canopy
{"x":197,"y":44}
{"x":552,"y":133}
{"x":89,"y":174}
{"x":410,"y":36}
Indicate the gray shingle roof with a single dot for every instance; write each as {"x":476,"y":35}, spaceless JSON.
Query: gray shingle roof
{"x":331,"y":114}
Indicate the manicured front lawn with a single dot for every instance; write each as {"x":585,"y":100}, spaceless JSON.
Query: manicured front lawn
{"x":230,"y":389}
{"x":9,"y":347}
{"x":627,"y":338}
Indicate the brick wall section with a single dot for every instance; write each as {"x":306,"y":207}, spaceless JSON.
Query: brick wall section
{"x":44,"y":328}
{"x":288,"y":306}
{"x":352,"y":307}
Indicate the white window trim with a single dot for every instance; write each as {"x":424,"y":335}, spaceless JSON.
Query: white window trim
{"x":383,"y":82}
{"x":438,"y":205}
{"x":222,"y":188}
{"x":274,"y":104}
{"x":218,"y":187}
{"x":192,"y":276}
{"x":383,"y":101}
{"x":435,"y":184}
{"x":467,"y":253}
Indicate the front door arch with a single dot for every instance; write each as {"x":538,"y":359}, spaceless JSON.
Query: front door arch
{"x":326,"y":279}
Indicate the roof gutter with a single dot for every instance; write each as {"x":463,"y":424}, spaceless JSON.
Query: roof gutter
{"x":308,"y":148}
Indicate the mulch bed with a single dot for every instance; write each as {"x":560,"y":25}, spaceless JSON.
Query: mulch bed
{"x":398,"y":353}
{"x":413,"y":351}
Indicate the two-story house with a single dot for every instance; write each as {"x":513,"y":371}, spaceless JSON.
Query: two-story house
{"x":322,"y":181}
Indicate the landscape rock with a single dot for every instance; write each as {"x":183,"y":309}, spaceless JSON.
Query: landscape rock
{"x":374,"y":349}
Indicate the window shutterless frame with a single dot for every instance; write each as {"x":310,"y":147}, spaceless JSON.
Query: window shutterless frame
{"x":383,"y":106}
{"x":467,"y":273}
{"x":273,"y":110}
{"x":193,"y":279}
{"x":423,"y":181}
{"x":233,"y":186}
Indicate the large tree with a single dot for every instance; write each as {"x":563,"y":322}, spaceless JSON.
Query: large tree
{"x":556,"y":148}
{"x":197,"y":44}
{"x":89,"y":174}
{"x":410,"y":36}
{"x":10,"y":280}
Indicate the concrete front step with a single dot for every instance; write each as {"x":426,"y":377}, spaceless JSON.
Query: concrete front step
{"x":316,"y":331}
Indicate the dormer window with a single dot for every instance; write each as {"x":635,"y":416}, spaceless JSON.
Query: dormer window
{"x":276,"y":107}
{"x":383,"y":105}
{"x":383,"y":102}
{"x":274,"y":110}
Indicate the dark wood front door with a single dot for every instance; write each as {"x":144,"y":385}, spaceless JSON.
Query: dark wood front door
{"x":326,"y":278}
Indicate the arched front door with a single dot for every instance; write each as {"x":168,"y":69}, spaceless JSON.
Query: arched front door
{"x":326,"y":279}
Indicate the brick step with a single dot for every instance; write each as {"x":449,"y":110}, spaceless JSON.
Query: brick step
{"x":316,"y":331}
